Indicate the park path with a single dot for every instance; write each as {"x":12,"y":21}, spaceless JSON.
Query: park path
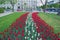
{"x":5,"y":13}
{"x":29,"y":27}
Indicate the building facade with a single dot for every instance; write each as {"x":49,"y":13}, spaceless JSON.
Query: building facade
{"x":26,"y":5}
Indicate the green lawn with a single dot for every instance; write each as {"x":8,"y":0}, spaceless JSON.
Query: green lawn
{"x":52,"y":19}
{"x":6,"y":21}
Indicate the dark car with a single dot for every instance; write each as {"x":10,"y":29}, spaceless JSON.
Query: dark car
{"x":58,"y":11}
{"x":51,"y":9}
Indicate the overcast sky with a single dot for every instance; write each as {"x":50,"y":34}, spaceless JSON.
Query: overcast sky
{"x":39,"y":3}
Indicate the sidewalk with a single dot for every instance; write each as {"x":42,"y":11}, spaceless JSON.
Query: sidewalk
{"x":4,"y":14}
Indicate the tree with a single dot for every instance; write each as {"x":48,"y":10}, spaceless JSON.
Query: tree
{"x":12,"y":2}
{"x":2,"y":2}
{"x":44,"y":4}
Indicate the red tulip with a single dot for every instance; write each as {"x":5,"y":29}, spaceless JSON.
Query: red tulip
{"x":9,"y":38}
{"x":22,"y":34}
{"x":22,"y":31}
{"x":58,"y":38}
{"x":18,"y":33}
{"x":20,"y":25}
{"x":17,"y":39}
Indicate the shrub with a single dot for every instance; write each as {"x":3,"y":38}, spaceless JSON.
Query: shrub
{"x":1,"y":10}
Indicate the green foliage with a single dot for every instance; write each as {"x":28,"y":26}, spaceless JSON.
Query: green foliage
{"x":2,"y":1}
{"x":56,"y":5}
{"x":1,"y":10}
{"x":43,"y":6}
{"x":8,"y":1}
{"x":13,"y":1}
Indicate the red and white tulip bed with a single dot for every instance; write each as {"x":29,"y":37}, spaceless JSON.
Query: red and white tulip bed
{"x":30,"y":27}
{"x":46,"y":31}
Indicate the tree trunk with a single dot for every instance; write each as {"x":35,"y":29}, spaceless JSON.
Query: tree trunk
{"x":12,"y":7}
{"x":45,"y":5}
{"x":12,"y":3}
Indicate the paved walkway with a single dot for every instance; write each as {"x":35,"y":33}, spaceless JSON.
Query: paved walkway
{"x":4,"y":14}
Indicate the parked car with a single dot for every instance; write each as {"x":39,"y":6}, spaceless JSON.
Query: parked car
{"x":51,"y":10}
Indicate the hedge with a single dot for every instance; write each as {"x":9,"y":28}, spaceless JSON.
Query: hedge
{"x":1,"y":10}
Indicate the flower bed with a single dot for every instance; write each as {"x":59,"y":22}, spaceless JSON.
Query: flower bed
{"x":16,"y":30}
{"x":46,"y":31}
{"x":26,"y":27}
